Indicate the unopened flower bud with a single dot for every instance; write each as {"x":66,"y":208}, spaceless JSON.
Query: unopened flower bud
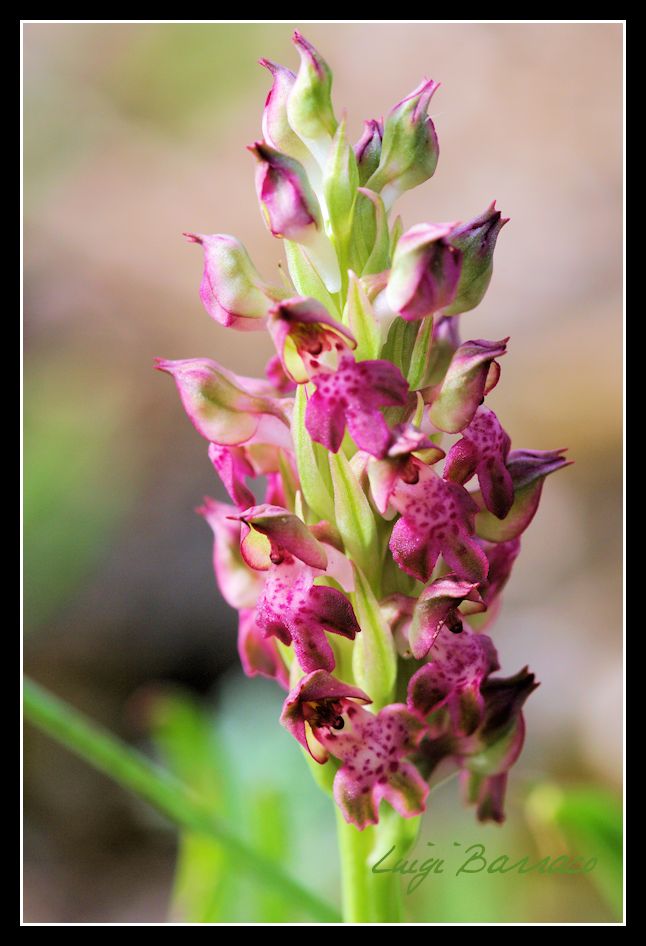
{"x":309,"y":106}
{"x":368,"y":149}
{"x":425,"y":271}
{"x":410,"y":149}
{"x":476,"y":240}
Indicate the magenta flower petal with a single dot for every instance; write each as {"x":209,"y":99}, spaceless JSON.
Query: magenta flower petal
{"x":399,"y":463}
{"x":372,"y":750}
{"x":483,"y":450}
{"x":258,"y":653}
{"x":232,"y":466}
{"x":461,"y":662}
{"x":436,"y":608}
{"x":465,"y":384}
{"x":437,"y":517}
{"x":352,"y":395}
{"x":284,"y":535}
{"x":296,"y":611}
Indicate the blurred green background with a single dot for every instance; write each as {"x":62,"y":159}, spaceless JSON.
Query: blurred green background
{"x":134,"y":133}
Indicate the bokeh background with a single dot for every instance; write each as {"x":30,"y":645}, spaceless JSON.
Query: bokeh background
{"x":134,"y":133}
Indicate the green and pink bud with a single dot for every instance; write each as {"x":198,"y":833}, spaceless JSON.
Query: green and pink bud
{"x":367,"y":150}
{"x":309,"y":105}
{"x":425,"y":272}
{"x":232,"y":291}
{"x":472,"y":373}
{"x":476,"y":241}
{"x":409,"y":149}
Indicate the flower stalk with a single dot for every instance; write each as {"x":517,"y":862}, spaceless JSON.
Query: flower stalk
{"x":376,"y":500}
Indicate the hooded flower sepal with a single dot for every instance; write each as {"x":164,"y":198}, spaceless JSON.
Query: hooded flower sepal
{"x":437,"y":517}
{"x":309,"y":105}
{"x":501,"y":557}
{"x":296,"y":611}
{"x":232,"y":291}
{"x":528,"y":469}
{"x":425,"y":271}
{"x":410,"y":148}
{"x":258,"y":653}
{"x":308,"y":340}
{"x":472,"y":373}
{"x":483,"y":450}
{"x":292,"y":211}
{"x":496,"y":745}
{"x":476,"y":241}
{"x":271,"y":535}
{"x":460,"y":663}
{"x":221,"y":409}
{"x":437,"y":608}
{"x":319,"y":701}
{"x":408,"y":451}
{"x":353,"y":396}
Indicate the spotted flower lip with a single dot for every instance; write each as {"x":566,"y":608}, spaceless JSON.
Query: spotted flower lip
{"x":476,"y":240}
{"x":372,"y":750}
{"x":232,"y":291}
{"x":472,"y":373}
{"x":410,"y":148}
{"x":353,"y":396}
{"x":528,"y":469}
{"x":259,"y":654}
{"x":460,"y":664}
{"x":437,"y":517}
{"x":269,"y":534}
{"x":221,"y":409}
{"x":298,"y":612}
{"x":437,"y":608}
{"x":307,"y":339}
{"x":483,"y":450}
{"x":318,"y":700}
{"x":425,"y":271}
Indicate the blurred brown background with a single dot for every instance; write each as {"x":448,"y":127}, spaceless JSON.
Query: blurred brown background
{"x":134,"y":133}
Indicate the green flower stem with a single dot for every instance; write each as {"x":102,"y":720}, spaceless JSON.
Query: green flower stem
{"x":366,"y":897}
{"x":140,"y":775}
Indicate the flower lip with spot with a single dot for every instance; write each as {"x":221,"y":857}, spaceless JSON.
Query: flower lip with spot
{"x":425,"y":271}
{"x":454,"y":678}
{"x":353,"y":395}
{"x":483,"y":450}
{"x":318,"y":700}
{"x":232,"y":291}
{"x":271,"y":535}
{"x":307,"y":339}
{"x":437,"y":517}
